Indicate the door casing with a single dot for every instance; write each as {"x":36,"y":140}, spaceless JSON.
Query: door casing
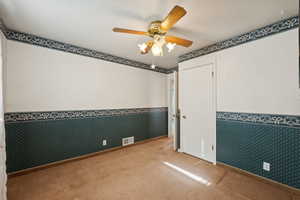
{"x":173,"y":108}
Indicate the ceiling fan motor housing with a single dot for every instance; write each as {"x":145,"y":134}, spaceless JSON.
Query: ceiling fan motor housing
{"x":155,"y":28}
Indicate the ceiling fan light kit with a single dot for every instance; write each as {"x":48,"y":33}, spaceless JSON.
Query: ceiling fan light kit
{"x":158,"y":31}
{"x":170,"y":46}
{"x":142,"y":47}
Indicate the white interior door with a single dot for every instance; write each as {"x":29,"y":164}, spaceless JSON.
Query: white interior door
{"x":197,"y":106}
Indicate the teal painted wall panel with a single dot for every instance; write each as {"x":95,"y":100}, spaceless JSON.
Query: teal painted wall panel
{"x":247,"y":145}
{"x":34,"y":143}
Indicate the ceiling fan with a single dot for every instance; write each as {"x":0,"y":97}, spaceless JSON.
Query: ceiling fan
{"x":158,"y":30}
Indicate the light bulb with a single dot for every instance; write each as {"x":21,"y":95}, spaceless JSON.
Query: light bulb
{"x":142,"y":47}
{"x":157,"y":50}
{"x":170,"y":46}
{"x":153,"y":66}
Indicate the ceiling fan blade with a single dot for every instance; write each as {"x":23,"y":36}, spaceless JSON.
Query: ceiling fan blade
{"x":174,"y":16}
{"x":179,"y":41}
{"x":123,"y":30}
{"x":148,"y":48}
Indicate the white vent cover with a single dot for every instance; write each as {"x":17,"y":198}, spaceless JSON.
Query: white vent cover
{"x":127,"y":141}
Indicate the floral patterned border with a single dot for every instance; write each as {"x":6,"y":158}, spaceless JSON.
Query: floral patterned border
{"x":52,"y":44}
{"x":284,"y":120}
{"x":80,"y":114}
{"x":278,"y":27}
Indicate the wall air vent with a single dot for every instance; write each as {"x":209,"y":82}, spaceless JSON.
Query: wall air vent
{"x":127,"y":141}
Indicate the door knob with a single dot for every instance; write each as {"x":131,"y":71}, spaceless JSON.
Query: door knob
{"x":183,"y":116}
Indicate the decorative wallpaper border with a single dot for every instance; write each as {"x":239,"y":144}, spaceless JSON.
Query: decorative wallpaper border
{"x":283,"y":120}
{"x":79,"y":114}
{"x":277,"y":27}
{"x":52,"y":44}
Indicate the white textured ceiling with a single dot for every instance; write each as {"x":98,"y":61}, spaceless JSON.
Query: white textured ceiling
{"x":89,"y":23}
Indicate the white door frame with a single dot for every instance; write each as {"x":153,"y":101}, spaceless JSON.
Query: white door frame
{"x":173,"y":107}
{"x":199,"y":62}
{"x":3,"y":175}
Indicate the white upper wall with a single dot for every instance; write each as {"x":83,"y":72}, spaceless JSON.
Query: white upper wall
{"x":260,"y":76}
{"x":3,"y":42}
{"x":41,"y":79}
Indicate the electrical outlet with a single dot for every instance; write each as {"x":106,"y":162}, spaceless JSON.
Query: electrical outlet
{"x":266,"y":166}
{"x":104,"y":142}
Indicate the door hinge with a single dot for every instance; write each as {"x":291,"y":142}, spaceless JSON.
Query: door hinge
{"x":212,"y":74}
{"x":212,"y":147}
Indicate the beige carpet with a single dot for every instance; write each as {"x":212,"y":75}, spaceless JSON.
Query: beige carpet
{"x":142,"y":172}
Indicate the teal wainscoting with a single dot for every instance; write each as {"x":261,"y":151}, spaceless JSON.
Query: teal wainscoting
{"x":35,"y":139}
{"x":247,"y":140}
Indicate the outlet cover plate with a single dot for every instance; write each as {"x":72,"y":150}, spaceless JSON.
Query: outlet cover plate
{"x":266,"y":166}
